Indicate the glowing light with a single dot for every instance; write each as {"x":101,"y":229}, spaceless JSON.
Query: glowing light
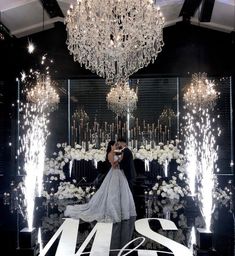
{"x":70,"y":168}
{"x":122,"y":99}
{"x":200,"y":142}
{"x":33,"y":142}
{"x":105,"y":36}
{"x":166,"y":168}
{"x":33,"y":146}
{"x":192,"y":239}
{"x":191,"y":152}
{"x":208,"y":157}
{"x":146,"y":165}
{"x":43,"y":93}
{"x":30,"y":47}
{"x":23,"y":76}
{"x":40,"y":239}
{"x":201,"y":93}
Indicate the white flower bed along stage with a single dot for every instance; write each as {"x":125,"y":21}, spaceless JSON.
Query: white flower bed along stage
{"x":169,"y":185}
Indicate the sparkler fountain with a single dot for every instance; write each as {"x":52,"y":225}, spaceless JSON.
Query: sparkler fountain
{"x":200,"y":141}
{"x":42,"y":99}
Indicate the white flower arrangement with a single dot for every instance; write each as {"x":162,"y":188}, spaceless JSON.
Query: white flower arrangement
{"x":69,"y":190}
{"x":170,"y":188}
{"x":54,"y":167}
{"x":161,"y":153}
{"x":223,"y":197}
{"x":175,"y":186}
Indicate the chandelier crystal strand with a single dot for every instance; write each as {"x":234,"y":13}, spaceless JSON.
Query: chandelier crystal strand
{"x":114,"y":38}
{"x":122,"y":99}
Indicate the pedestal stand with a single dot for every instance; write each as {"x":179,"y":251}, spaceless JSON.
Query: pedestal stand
{"x":28,"y":245}
{"x":203,"y":245}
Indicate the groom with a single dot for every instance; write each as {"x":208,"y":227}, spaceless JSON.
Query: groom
{"x":127,"y":163}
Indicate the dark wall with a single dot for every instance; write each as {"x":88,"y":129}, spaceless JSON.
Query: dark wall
{"x":187,"y":49}
{"x":8,"y":136}
{"x":191,"y":49}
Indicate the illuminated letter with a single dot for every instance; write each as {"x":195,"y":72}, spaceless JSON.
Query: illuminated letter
{"x":142,"y":226}
{"x":67,"y":243}
{"x":101,"y":244}
{"x":68,"y":240}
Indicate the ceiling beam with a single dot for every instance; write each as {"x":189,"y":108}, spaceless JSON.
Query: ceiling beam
{"x":189,"y":8}
{"x":206,"y":10}
{"x":4,"y":32}
{"x":52,"y":8}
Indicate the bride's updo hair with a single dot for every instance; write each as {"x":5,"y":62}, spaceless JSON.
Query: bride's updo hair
{"x":111,"y":143}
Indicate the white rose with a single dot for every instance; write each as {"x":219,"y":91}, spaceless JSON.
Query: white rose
{"x":181,"y":175}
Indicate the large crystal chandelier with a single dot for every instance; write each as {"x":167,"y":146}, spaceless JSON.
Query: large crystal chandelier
{"x":114,"y":38}
{"x":122,"y":99}
{"x":43,"y":93}
{"x":201,"y":93}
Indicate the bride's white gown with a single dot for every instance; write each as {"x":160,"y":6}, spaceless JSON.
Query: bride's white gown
{"x":112,"y":202}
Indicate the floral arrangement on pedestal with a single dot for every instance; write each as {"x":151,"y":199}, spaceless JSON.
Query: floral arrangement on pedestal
{"x":174,"y":187}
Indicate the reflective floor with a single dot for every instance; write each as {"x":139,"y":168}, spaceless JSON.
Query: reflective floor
{"x":184,"y":213}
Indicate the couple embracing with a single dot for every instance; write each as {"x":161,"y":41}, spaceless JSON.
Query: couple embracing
{"x":113,"y":201}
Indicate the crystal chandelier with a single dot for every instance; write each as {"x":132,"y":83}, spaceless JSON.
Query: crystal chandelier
{"x":201,"y":93}
{"x":114,"y":38}
{"x":43,"y":93}
{"x":122,"y":99}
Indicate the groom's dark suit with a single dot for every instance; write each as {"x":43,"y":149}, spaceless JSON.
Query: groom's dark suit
{"x":128,"y":167}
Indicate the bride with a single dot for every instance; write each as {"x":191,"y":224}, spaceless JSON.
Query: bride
{"x":112,"y":202}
